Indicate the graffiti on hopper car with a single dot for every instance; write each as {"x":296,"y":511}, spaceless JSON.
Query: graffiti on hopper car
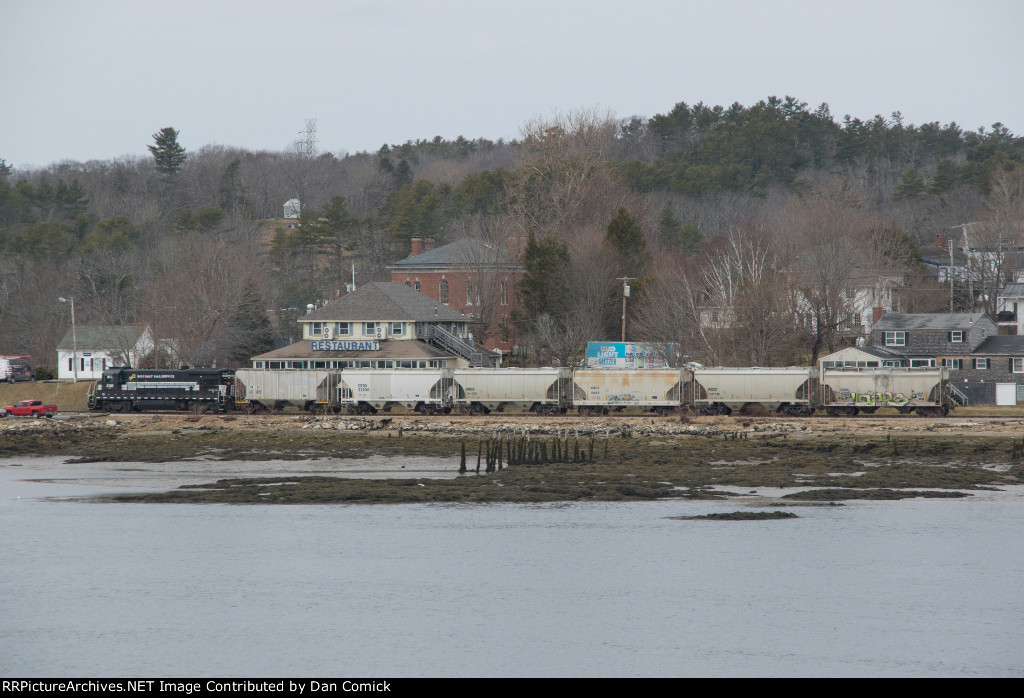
{"x":879,"y":399}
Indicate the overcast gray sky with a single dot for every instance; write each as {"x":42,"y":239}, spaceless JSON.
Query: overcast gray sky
{"x":94,"y":79}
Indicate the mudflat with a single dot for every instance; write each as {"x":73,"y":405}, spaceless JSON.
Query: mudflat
{"x":513,"y":458}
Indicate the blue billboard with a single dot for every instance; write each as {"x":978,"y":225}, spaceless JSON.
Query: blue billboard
{"x":629,"y":355}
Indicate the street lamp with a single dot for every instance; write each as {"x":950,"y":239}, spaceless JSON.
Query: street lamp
{"x":74,"y":336}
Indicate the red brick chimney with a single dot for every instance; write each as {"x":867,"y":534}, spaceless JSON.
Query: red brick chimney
{"x":428,"y":244}
{"x":876,"y":314}
{"x":940,"y":241}
{"x":417,"y":245}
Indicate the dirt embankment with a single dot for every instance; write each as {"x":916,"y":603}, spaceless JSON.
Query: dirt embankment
{"x":68,"y":397}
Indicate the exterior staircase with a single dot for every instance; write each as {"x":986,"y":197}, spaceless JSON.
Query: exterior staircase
{"x":957,"y":396}
{"x":444,"y":339}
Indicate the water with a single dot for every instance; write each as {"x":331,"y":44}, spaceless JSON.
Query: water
{"x":910,"y":588}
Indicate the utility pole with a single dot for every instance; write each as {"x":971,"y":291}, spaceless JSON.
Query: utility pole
{"x":951,"y":275}
{"x":625,"y":294}
{"x":74,"y":336}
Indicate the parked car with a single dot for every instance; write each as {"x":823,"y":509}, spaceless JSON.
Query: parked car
{"x":15,"y":368}
{"x":29,"y":408}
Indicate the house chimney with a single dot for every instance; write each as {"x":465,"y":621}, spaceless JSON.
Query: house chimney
{"x":417,"y":245}
{"x":428,"y":244}
{"x":876,"y":315}
{"x":940,"y":241}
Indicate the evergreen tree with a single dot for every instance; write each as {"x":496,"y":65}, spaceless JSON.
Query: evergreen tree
{"x":947,"y":174}
{"x":542,"y":287}
{"x":250,"y":327}
{"x":168,"y":153}
{"x":674,"y":233}
{"x":911,"y":185}
{"x":627,"y":237}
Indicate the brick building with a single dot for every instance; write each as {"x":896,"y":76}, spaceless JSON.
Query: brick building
{"x":469,"y":276}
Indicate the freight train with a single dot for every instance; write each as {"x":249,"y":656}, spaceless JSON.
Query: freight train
{"x":592,"y":391}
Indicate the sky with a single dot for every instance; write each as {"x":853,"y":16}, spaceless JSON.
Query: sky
{"x":95,"y":80}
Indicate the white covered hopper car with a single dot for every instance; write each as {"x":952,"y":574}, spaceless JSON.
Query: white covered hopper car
{"x":596,"y":391}
{"x":720,"y":390}
{"x":848,"y":391}
{"x":309,"y":390}
{"x":483,"y":390}
{"x":427,"y":390}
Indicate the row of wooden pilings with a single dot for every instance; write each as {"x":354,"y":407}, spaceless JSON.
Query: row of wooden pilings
{"x":516,"y":447}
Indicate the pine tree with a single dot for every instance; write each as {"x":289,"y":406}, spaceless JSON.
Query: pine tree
{"x":911,"y":185}
{"x":250,"y":328}
{"x":627,"y":237}
{"x":168,"y":153}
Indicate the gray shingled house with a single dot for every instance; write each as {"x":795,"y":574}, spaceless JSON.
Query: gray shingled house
{"x":985,"y":366}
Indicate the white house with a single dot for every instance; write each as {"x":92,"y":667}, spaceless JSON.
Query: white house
{"x":1010,"y":310}
{"x":95,"y":348}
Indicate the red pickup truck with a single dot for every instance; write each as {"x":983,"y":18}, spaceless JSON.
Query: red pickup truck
{"x":29,"y":408}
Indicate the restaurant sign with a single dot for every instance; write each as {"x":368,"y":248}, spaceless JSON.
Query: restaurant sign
{"x":345,"y":345}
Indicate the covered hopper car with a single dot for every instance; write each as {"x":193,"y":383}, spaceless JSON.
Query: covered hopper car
{"x":849,"y":391}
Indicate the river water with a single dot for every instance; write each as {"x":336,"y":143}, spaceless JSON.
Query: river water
{"x":905,"y":588}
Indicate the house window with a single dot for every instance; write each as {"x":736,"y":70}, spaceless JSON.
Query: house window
{"x":1016,"y":365}
{"x":895,"y":339}
{"x":344,"y":329}
{"x":370,"y":329}
{"x":316,"y":329}
{"x":407,"y":283}
{"x":981,"y":363}
{"x":956,"y":336}
{"x":952,"y":364}
{"x":416,"y":285}
{"x":504,"y":293}
{"x":443,"y":292}
{"x":397,"y":328}
{"x":922,"y":363}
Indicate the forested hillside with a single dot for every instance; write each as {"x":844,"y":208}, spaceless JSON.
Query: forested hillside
{"x":742,"y":225}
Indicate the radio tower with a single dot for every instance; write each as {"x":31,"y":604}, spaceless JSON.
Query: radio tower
{"x":307,"y":146}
